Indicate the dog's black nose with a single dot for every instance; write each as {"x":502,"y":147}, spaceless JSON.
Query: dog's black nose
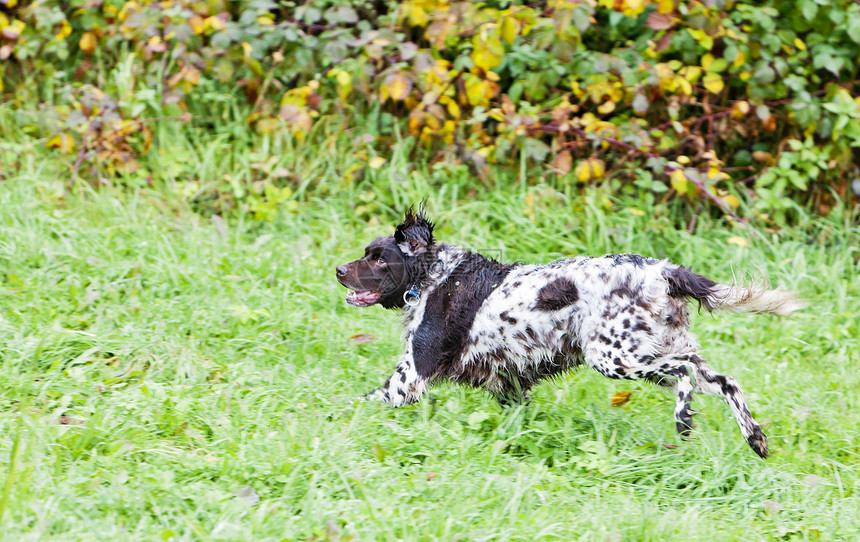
{"x":341,"y":270}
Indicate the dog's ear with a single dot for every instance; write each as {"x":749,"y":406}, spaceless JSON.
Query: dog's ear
{"x":415,"y":234}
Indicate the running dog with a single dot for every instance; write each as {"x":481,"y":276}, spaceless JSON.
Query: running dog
{"x":505,"y":327}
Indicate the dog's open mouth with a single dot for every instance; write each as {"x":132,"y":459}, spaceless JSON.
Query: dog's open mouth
{"x":363,"y":299}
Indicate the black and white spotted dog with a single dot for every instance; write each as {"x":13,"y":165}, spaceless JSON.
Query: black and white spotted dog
{"x":503,"y":327}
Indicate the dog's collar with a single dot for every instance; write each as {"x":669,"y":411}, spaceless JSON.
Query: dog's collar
{"x":410,"y":297}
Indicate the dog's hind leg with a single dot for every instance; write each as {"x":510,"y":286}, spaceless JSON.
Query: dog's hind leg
{"x":712,"y":383}
{"x":664,"y":370}
{"x":683,"y":412}
{"x":634,"y":359}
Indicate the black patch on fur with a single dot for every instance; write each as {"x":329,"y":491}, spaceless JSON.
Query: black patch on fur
{"x":557,"y":295}
{"x":634,"y":259}
{"x":450,"y":311}
{"x":622,"y":291}
{"x":508,"y":318}
{"x":642,"y":326}
{"x":685,"y":283}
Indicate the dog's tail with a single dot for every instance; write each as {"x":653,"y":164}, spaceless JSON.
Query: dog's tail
{"x":740,"y":299}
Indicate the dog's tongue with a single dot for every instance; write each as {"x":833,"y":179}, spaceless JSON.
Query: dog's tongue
{"x":363,"y":299}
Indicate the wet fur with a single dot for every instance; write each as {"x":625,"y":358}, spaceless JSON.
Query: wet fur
{"x":504,"y":328}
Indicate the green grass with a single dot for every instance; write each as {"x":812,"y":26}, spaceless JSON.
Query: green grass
{"x":169,"y":375}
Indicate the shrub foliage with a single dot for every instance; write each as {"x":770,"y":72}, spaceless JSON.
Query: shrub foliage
{"x":709,"y":101}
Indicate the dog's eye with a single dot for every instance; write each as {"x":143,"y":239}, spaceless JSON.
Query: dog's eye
{"x":380,"y":261}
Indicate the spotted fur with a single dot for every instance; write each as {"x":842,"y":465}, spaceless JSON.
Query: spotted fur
{"x":504,"y":328}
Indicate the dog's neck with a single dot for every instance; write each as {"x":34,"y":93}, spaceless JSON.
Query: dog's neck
{"x":434,"y":266}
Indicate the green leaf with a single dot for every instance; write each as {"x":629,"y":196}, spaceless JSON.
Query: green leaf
{"x":764,"y":75}
{"x":808,"y":8}
{"x":829,"y":62}
{"x":640,"y":103}
{"x":853,"y":26}
{"x":535,"y":149}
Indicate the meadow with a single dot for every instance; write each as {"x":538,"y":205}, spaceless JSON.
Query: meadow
{"x":167,"y":373}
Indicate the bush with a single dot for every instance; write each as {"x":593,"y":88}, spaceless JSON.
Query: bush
{"x":714,"y":100}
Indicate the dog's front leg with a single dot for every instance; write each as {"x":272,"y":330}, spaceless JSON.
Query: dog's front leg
{"x":405,"y":386}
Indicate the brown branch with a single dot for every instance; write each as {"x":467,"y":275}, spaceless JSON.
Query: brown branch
{"x":698,"y":120}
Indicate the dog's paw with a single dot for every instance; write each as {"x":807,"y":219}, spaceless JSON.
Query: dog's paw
{"x":758,"y":442}
{"x":373,"y":395}
{"x":685,"y":428}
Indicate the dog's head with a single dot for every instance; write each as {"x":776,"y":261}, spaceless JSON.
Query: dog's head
{"x":391,"y":265}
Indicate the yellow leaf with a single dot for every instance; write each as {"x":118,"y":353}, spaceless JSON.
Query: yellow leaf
{"x":707,"y":60}
{"x":683,"y":160}
{"x":487,"y":53}
{"x":666,"y":6}
{"x":377,"y":162}
{"x":198,"y":25}
{"x":679,"y":181}
{"x":583,"y":171}
{"x":343,"y":78}
{"x":620,"y":398}
{"x":509,"y":29}
{"x":61,"y":141}
{"x":448,"y":131}
{"x":732,"y":201}
{"x":739,"y":241}
{"x":265,"y":20}
{"x":598,"y":168}
{"x":635,"y":211}
{"x":453,"y":109}
{"x":88,"y":43}
{"x":799,"y":44}
{"x":478,"y":91}
{"x":127,"y":9}
{"x":213,"y":23}
{"x":690,"y":73}
{"x":702,"y":37}
{"x":715,"y":174}
{"x":344,"y":82}
{"x":713,"y":82}
{"x":398,"y":85}
{"x":606,"y":107}
{"x":417,"y":15}
{"x":65,"y":30}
